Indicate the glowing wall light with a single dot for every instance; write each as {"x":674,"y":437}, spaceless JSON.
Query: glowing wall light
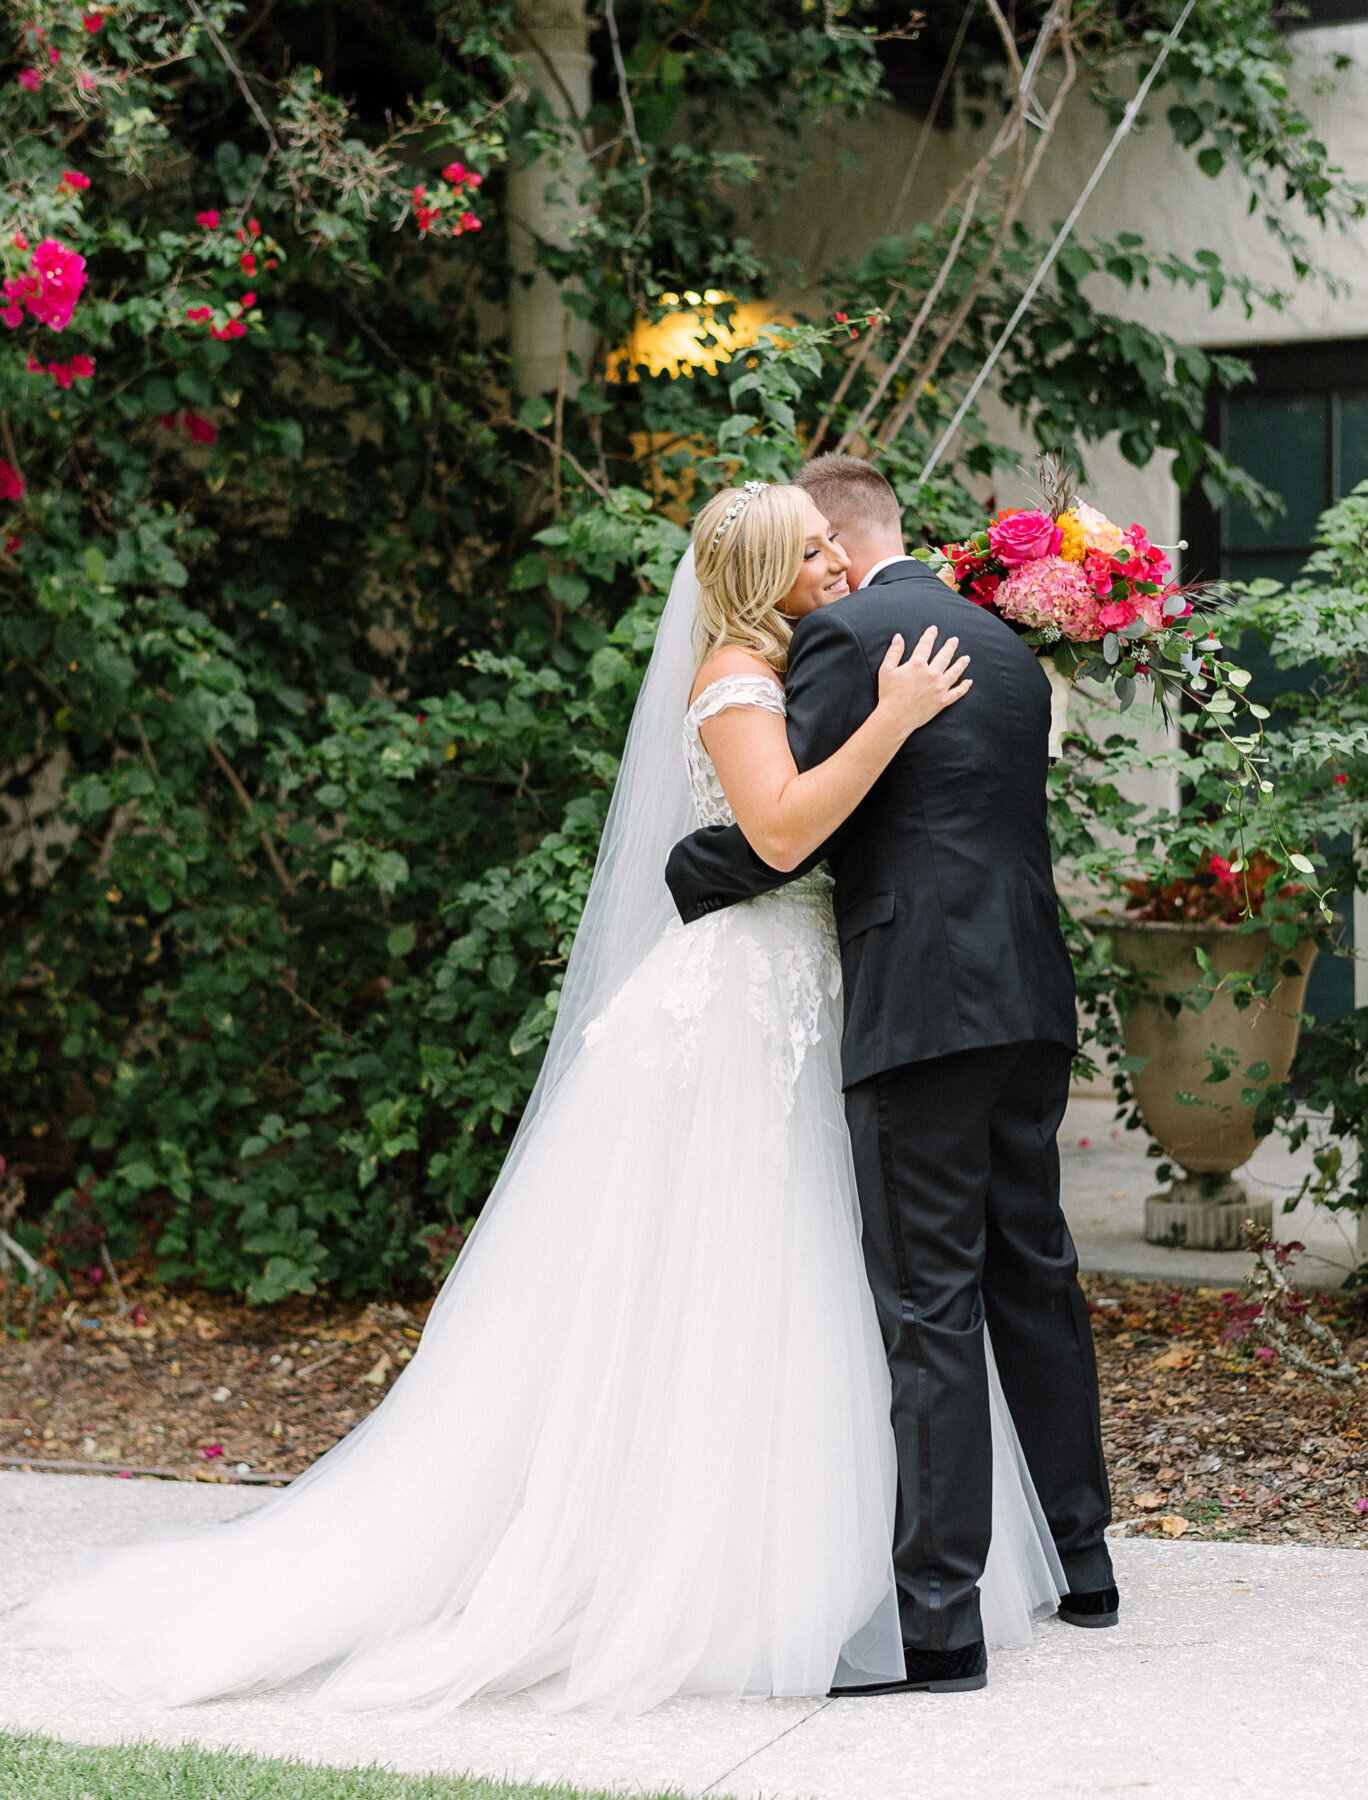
{"x":691,"y":335}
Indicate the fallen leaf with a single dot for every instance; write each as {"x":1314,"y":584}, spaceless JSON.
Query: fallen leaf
{"x":1178,"y":1358}
{"x":1173,"y":1526}
{"x":1150,"y":1502}
{"x":377,"y":1376}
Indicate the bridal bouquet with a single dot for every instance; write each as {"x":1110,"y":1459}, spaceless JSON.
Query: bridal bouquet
{"x":1092,"y":597}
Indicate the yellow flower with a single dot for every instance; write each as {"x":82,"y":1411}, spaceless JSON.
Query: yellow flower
{"x":1098,"y":530}
{"x":1074,"y":546}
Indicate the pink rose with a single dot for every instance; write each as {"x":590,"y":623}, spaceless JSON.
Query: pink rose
{"x":1022,"y":537}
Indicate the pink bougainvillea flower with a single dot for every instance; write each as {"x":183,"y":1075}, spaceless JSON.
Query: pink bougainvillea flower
{"x":271,"y":262}
{"x":233,"y":329}
{"x":19,"y":241}
{"x":454,"y":173}
{"x":469,"y":222}
{"x":1022,"y":537}
{"x":73,"y":178}
{"x":209,"y":219}
{"x":34,"y":365}
{"x":60,"y":373}
{"x":247,"y":263}
{"x":1341,"y":780}
{"x":198,"y":315}
{"x":11,"y":482}
{"x":201,"y":430}
{"x":92,"y":22}
{"x":247,"y":302}
{"x":473,"y":180}
{"x":253,"y":228}
{"x":57,"y":277}
{"x":54,"y":56}
{"x":30,"y":79}
{"x":211,"y":1452}
{"x":13,"y":316}
{"x":12,"y":541}
{"x":82,"y":367}
{"x":86,"y":83}
{"x":1265,"y":1353}
{"x":169,"y":421}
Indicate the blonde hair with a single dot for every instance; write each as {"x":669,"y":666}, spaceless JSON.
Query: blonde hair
{"x":748,"y":552}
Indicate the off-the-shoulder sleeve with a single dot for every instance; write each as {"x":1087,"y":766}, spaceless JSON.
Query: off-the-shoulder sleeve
{"x":736,"y":690}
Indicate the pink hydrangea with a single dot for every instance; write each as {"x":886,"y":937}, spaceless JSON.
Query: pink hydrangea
{"x":1020,"y":537}
{"x":1050,"y":591}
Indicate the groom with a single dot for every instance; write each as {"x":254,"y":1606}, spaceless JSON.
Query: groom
{"x":959,"y":1033}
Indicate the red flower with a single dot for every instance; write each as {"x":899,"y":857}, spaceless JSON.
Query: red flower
{"x":1340,"y":780}
{"x":419,"y":193}
{"x":169,"y":421}
{"x":73,"y":178}
{"x":12,"y":541}
{"x":474,"y":180}
{"x":271,"y":262}
{"x":240,"y":235}
{"x":82,"y":367}
{"x":19,"y":241}
{"x":33,"y":365}
{"x":209,"y":219}
{"x":86,"y":83}
{"x":92,"y":22}
{"x":254,"y":228}
{"x":11,"y":482}
{"x":454,"y":173}
{"x":469,"y":222}
{"x":233,"y":329}
{"x":211,"y":1452}
{"x":247,"y":302}
{"x":842,"y":318}
{"x":247,"y":263}
{"x":201,"y":430}
{"x":54,"y":56}
{"x":198,"y":315}
{"x":30,"y":78}
{"x":60,"y":373}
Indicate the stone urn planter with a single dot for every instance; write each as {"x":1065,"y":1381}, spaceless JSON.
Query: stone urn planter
{"x":1206,"y":1209}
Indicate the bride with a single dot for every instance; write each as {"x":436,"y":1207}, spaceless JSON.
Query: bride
{"x":644,"y":1446}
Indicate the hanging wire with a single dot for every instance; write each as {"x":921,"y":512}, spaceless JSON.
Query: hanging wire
{"x":1061,"y":238}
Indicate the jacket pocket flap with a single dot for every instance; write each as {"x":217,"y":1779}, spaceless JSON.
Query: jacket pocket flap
{"x":875,"y":909}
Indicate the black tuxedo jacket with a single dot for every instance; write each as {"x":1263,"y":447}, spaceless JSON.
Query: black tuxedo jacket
{"x":945,"y":897}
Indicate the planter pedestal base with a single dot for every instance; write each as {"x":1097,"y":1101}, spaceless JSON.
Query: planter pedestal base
{"x":1204,"y":1213}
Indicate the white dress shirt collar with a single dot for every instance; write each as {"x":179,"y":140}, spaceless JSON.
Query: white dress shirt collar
{"x":883,"y":563}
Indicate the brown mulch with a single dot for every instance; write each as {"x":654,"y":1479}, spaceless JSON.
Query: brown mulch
{"x":1203,"y":1439}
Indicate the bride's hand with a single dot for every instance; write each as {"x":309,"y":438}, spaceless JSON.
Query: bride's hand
{"x":913,"y":692}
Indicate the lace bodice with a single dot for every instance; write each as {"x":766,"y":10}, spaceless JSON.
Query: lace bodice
{"x":710,"y":803}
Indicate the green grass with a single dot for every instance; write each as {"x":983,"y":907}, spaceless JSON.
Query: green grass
{"x":38,"y":1768}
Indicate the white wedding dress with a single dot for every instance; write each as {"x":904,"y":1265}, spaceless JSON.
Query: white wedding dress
{"x":643,"y":1449}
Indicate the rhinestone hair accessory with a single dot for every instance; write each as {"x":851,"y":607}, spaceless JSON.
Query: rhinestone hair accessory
{"x":738,"y":506}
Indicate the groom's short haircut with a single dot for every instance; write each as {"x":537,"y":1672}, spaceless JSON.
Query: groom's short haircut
{"x":853,"y":489}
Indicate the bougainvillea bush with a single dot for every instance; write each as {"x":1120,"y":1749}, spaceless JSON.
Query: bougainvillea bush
{"x":318,"y":642}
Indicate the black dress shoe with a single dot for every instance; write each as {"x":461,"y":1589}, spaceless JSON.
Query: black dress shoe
{"x":930,"y":1672}
{"x":1093,"y":1609}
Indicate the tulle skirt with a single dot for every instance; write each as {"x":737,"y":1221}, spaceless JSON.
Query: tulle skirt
{"x":643,"y":1448}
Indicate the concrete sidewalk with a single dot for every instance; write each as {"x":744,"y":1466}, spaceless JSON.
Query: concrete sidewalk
{"x":1105,"y":1176}
{"x":1238,"y":1671}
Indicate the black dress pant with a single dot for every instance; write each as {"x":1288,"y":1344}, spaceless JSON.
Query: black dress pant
{"x":958,"y":1175}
